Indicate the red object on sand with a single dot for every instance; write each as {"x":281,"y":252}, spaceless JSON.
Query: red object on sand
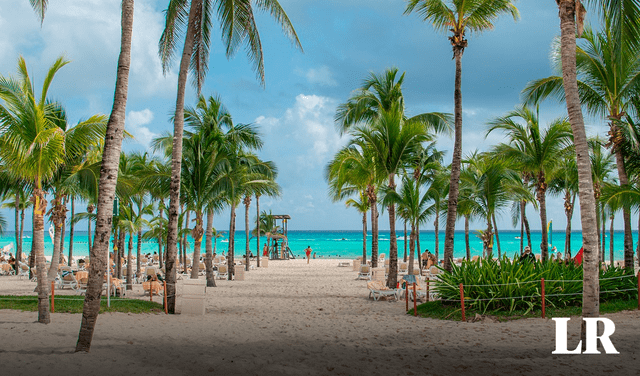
{"x":578,"y":258}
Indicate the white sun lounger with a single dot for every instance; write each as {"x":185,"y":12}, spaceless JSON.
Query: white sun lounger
{"x":378,"y":289}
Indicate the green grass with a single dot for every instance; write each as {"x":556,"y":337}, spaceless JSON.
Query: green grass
{"x":437,"y":310}
{"x":73,"y":304}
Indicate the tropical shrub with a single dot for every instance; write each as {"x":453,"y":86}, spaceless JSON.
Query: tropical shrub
{"x":512,"y":285}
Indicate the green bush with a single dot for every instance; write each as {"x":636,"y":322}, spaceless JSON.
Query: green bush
{"x":515,"y":286}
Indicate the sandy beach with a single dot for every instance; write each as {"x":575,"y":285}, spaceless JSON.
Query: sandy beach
{"x":297,"y":319}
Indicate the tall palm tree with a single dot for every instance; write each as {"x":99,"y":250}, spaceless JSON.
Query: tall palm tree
{"x":535,"y":151}
{"x":351,"y":171}
{"x":32,"y":147}
{"x":412,"y":206}
{"x":493,"y":183}
{"x":608,"y":70}
{"x":193,"y":20}
{"x":394,"y":141}
{"x":108,"y":175}
{"x":570,"y":13}
{"x":458,"y":17}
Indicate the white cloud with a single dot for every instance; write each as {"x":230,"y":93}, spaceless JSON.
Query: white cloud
{"x":136,"y":121}
{"x":321,"y":76}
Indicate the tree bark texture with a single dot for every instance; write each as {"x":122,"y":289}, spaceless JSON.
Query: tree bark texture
{"x":71,"y":228}
{"x":39,"y":208}
{"x":466,"y":237}
{"x":452,"y":207}
{"x":590,"y":297}
{"x":208,"y":262}
{"x":393,"y":241}
{"x":232,"y":236}
{"x":107,"y":185}
{"x":247,"y":202}
{"x":196,"y":234}
{"x":176,"y":158}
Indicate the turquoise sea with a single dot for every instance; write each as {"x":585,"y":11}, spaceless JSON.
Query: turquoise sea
{"x":348,"y":244}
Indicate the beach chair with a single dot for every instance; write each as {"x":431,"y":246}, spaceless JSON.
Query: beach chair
{"x":365,"y":272}
{"x":381,"y":257}
{"x":66,"y":278}
{"x":378,"y":289}
{"x":222,"y":272}
{"x":6,"y":269}
{"x":402,"y":267}
{"x":24,"y":270}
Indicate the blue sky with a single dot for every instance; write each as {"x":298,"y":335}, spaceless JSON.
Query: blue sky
{"x":343,"y":41}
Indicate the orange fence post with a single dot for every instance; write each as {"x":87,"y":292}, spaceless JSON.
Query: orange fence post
{"x":406,"y":295}
{"x":427,"y":288}
{"x":150,"y":291}
{"x":542,"y":290}
{"x":415,"y":299}
{"x":166,"y":312}
{"x":53,"y":300}
{"x":462,"y":302}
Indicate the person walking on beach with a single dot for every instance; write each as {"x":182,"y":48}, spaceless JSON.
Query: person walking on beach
{"x":308,"y":253}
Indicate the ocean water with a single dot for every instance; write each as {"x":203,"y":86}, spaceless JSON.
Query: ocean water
{"x":348,"y":244}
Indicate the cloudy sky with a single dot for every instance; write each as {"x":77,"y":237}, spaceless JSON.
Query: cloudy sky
{"x":343,"y":41}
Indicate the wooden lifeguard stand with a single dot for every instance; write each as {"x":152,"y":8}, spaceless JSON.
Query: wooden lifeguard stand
{"x":279,"y":247}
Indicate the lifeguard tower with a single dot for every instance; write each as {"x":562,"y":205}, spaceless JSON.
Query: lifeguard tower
{"x":278,"y":240}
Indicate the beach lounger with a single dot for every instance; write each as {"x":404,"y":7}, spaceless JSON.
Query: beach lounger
{"x":344,"y":264}
{"x":402,"y":267}
{"x":6,"y":269}
{"x":66,"y":278}
{"x":378,"y":289}
{"x":222,"y":272}
{"x":365,"y":272}
{"x":24,"y":271}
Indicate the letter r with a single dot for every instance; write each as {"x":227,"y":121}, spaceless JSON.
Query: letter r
{"x":592,"y":335}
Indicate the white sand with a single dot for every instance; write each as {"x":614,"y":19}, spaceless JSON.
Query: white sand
{"x":298,"y":319}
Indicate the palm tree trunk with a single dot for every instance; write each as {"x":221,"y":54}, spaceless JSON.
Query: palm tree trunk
{"x":364,"y":238}
{"x":522,"y":209}
{"x":17,"y":232}
{"x":542,"y":199}
{"x":611,"y":258}
{"x":57,"y":220}
{"x":495,"y":225}
{"x":196,"y":234}
{"x":107,"y":186}
{"x":64,"y":229}
{"x":71,"y":226}
{"x":527,"y":230}
{"x":590,"y":297}
{"x":393,"y":241}
{"x":247,"y":202}
{"x":129,"y":263}
{"x":139,"y":251}
{"x":417,"y":241}
{"x":176,"y":157}
{"x":455,"y":163}
{"x":626,"y":213}
{"x":374,"y":234}
{"x":232,"y":235}
{"x":488,"y":239}
{"x":405,"y":242}
{"x":603,"y":232}
{"x":466,"y":237}
{"x":39,"y":208}
{"x":436,"y":225}
{"x":21,"y":230}
{"x":121,"y":239}
{"x":208,"y":263}
{"x":89,"y":242}
{"x":412,"y":248}
{"x":567,"y":234}
{"x":258,"y":230}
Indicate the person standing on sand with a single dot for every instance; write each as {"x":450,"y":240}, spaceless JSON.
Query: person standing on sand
{"x":265,"y":250}
{"x":308,"y":253}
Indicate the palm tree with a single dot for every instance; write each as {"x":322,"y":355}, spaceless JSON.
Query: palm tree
{"x":394,"y":141}
{"x":437,"y":193}
{"x":535,"y":151}
{"x":492,"y":183}
{"x":571,"y":11}
{"x":411,"y":207}
{"x":351,"y":171}
{"x":238,"y":27}
{"x":32,"y":147}
{"x":565,"y":182}
{"x":608,"y":69}
{"x":458,"y":17}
